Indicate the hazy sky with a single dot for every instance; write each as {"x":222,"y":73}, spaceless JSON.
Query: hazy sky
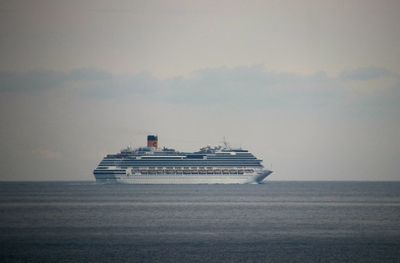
{"x":311,"y":87}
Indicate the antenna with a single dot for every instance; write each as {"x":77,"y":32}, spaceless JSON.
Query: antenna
{"x":226,"y":144}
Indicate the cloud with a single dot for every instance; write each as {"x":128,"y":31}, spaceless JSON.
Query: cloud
{"x":119,"y":86}
{"x":245,"y":86}
{"x":372,"y":88}
{"x":43,"y":80}
{"x":85,"y":82}
{"x":365,"y":73}
{"x":253,"y":87}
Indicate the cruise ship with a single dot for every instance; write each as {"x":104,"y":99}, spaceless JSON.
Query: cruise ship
{"x":209,"y":165}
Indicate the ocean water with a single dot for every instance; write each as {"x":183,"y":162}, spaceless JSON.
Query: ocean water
{"x":273,"y":222}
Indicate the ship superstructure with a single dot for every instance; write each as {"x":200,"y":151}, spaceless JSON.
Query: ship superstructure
{"x":209,"y":165}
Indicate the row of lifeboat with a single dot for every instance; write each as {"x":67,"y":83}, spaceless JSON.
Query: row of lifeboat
{"x":191,"y":171}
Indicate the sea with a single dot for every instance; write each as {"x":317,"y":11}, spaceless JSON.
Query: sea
{"x":271,"y":222}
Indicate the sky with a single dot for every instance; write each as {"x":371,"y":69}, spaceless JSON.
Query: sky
{"x":310,"y":87}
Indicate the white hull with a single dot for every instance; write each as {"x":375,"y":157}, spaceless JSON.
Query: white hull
{"x":186,"y":179}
